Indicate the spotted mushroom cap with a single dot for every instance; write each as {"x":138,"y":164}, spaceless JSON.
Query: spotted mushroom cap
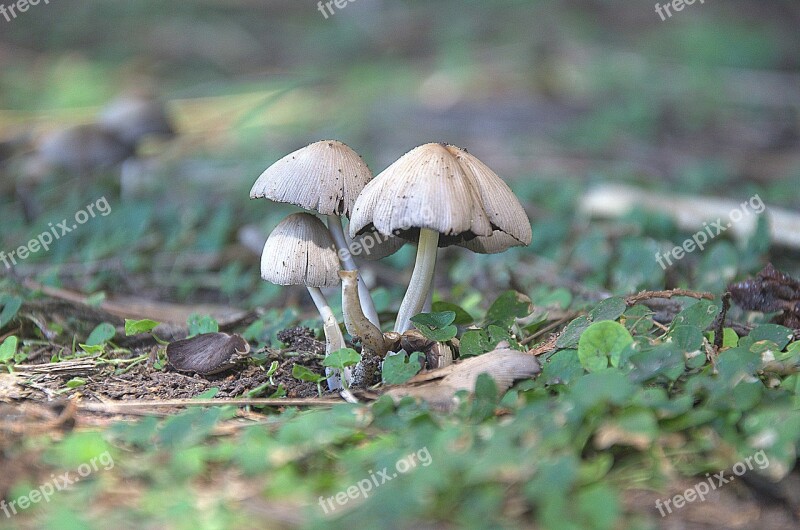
{"x":444,"y":188}
{"x":300,"y":251}
{"x":324,"y":177}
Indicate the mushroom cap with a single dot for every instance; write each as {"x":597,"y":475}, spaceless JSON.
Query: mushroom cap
{"x":325,"y":177}
{"x":82,"y":148}
{"x":494,"y":244}
{"x":440,"y":187}
{"x":371,"y":245}
{"x":300,"y":251}
{"x":133,"y":117}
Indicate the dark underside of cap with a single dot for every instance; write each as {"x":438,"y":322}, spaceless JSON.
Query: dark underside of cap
{"x":412,"y":234}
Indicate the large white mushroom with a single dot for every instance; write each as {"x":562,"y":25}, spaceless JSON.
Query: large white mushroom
{"x":439,"y":194}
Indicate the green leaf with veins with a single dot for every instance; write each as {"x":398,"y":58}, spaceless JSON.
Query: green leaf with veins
{"x":609,"y":309}
{"x":342,"y":358}
{"x":9,"y":306}
{"x":463,"y":318}
{"x":101,"y":334}
{"x":436,"y":326}
{"x":302,"y":373}
{"x":474,"y":342}
{"x":397,"y":369}
{"x":8,"y":349}
{"x":509,"y":306}
{"x":601,"y":343}
{"x":135,"y":327}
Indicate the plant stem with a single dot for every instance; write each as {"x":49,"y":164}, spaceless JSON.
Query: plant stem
{"x":337,"y":233}
{"x":334,"y":340}
{"x":421,"y":278}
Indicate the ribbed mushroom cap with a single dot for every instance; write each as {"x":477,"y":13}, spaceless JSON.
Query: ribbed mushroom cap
{"x":443,"y":188}
{"x":325,"y":177}
{"x":300,"y":251}
{"x":511,"y":225}
{"x":494,"y":244}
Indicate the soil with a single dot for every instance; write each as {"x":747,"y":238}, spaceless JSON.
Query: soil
{"x":145,"y":382}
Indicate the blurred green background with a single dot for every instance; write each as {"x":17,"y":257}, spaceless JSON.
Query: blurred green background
{"x":555,"y":96}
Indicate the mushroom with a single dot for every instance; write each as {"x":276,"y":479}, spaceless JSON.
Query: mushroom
{"x":324,"y":177}
{"x":134,"y":117}
{"x":439,"y":194}
{"x":300,"y":251}
{"x":374,"y":343}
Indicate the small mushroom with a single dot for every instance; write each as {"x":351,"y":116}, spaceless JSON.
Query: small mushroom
{"x":300,"y":251}
{"x":207,"y":354}
{"x":438,"y":194}
{"x":324,"y":177}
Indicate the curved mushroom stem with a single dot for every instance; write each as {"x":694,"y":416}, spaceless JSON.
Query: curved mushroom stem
{"x":334,"y":340}
{"x":354,"y":320}
{"x":373,"y":345}
{"x":421,"y":278}
{"x":337,"y":233}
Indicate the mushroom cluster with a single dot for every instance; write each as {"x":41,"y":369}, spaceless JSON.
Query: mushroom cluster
{"x":435,"y":195}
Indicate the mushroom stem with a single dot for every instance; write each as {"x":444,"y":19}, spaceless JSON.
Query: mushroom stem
{"x":334,"y":340}
{"x":356,"y":323}
{"x":373,"y":345}
{"x":337,"y":233}
{"x":421,"y":278}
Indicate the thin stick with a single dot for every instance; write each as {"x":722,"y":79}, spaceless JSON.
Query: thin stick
{"x":647,"y":295}
{"x":550,"y":327}
{"x":123,"y":406}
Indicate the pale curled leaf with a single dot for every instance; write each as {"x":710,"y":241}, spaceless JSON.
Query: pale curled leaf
{"x":503,"y":365}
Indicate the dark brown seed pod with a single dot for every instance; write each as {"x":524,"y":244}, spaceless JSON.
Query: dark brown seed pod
{"x":207,"y":354}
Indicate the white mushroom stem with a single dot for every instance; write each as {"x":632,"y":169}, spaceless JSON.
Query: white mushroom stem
{"x":420,"y":283}
{"x":337,"y":233}
{"x":334,"y":340}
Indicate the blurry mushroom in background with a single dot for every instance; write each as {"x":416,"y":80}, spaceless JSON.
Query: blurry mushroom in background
{"x":132,"y":118}
{"x":324,"y":177}
{"x":439,"y":194}
{"x":83,"y":149}
{"x":300,"y":251}
{"x":87,"y":149}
